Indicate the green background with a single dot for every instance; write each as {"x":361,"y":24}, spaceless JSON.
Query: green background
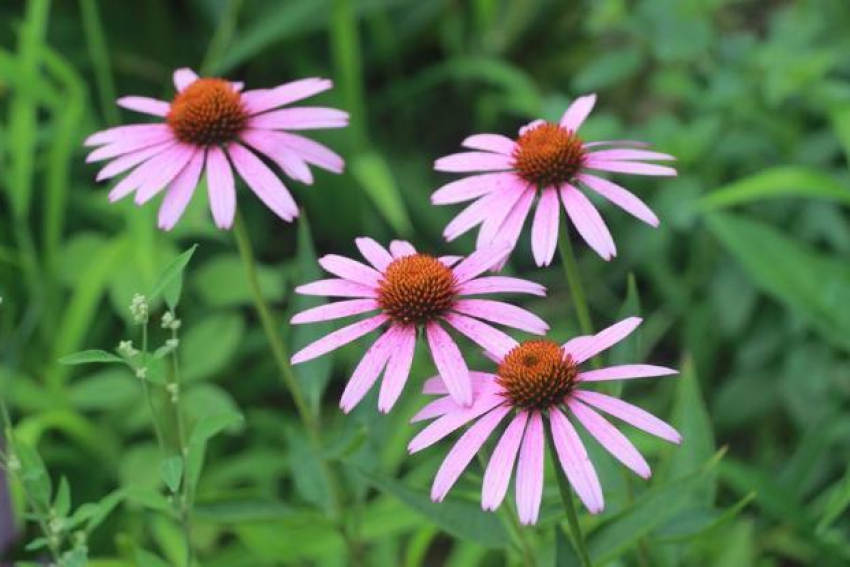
{"x":745,"y":286}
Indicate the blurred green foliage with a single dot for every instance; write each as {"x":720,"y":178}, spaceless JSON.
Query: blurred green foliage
{"x":745,"y":285}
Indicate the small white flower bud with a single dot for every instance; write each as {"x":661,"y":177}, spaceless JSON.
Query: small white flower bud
{"x":125,"y":348}
{"x":142,"y":372}
{"x":139,"y":309}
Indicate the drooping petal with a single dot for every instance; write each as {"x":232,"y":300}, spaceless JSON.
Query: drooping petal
{"x":436,"y":408}
{"x":398,"y":369}
{"x":501,"y":465}
{"x":299,"y":118}
{"x":490,"y":339}
{"x":634,"y":168}
{"x":368,"y":370}
{"x":586,"y":347}
{"x":447,"y":424}
{"x":450,"y":363}
{"x":170,"y":165}
{"x":337,"y":310}
{"x":351,"y":270}
{"x":221,"y":188}
{"x":469,"y":188}
{"x":131,"y":160}
{"x":464,"y":451}
{"x":260,"y":100}
{"x":474,"y":214}
{"x":184,"y":77}
{"x":529,"y":473}
{"x":119,"y":133}
{"x":511,"y":228}
{"x":544,"y":229}
{"x":449,"y":261}
{"x":490,"y":143}
{"x":480,"y":381}
{"x":338,"y":338}
{"x":180,"y":192}
{"x":336,"y":288}
{"x":621,"y":197}
{"x":502,"y":313}
{"x":263,"y":182}
{"x":627,"y":143}
{"x":508,"y":199}
{"x":628,"y":155}
{"x":577,"y":112}
{"x":290,"y":162}
{"x":575,"y":462}
{"x":501,"y":284}
{"x":401,"y":248}
{"x":610,"y":438}
{"x":144,"y":105}
{"x":308,"y":150}
{"x":374,"y":253}
{"x":132,"y":142}
{"x":587,"y":221}
{"x":625,"y":372}
{"x":478,"y":262}
{"x":474,"y":161}
{"x":631,"y":414}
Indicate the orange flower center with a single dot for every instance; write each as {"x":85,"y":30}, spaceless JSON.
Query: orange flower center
{"x":548,"y":154}
{"x":537,"y":374}
{"x":208,"y":112}
{"x":417,"y":289}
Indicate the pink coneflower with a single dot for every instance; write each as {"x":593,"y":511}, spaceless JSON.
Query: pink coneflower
{"x":550,"y":160}
{"x":535,"y":380}
{"x":410,"y":291}
{"x":209,"y":127}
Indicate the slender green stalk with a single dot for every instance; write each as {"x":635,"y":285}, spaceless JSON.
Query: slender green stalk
{"x":576,"y":536}
{"x":147,"y":391}
{"x":568,"y":259}
{"x":186,"y":496}
{"x":221,"y":39}
{"x":99,"y":53}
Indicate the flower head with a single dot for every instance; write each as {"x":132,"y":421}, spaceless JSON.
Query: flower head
{"x":405,"y":292}
{"x":549,"y":160}
{"x":538,"y":380}
{"x":212,"y":127}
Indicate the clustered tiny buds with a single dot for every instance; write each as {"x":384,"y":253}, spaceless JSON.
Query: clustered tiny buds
{"x":174,"y":390}
{"x":169,"y":321}
{"x":126,"y":349}
{"x":139,"y":309}
{"x":142,"y":372}
{"x":13,"y":462}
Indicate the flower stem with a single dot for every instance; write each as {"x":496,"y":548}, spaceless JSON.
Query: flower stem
{"x":576,"y":536}
{"x":568,"y":259}
{"x":290,"y":381}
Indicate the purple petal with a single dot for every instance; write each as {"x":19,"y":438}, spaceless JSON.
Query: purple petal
{"x":577,"y":112}
{"x":312,"y":152}
{"x":132,"y":142}
{"x":584,"y":348}
{"x":490,"y":339}
{"x":621,"y":197}
{"x":338,"y":338}
{"x":351,"y":270}
{"x":374,"y":253}
{"x":626,"y":155}
{"x":450,"y":363}
{"x":575,"y":462}
{"x":263,"y":182}
{"x":291,"y":164}
{"x":631,"y":167}
{"x":529,"y":473}
{"x":336,"y":288}
{"x":474,"y":161}
{"x":479,"y":380}
{"x":131,"y":160}
{"x":300,"y":118}
{"x":184,"y":77}
{"x":266,"y":99}
{"x":180,"y":193}
{"x":464,"y":451}
{"x":478,"y":262}
{"x":512,"y":226}
{"x":120,"y":133}
{"x":221,"y":188}
{"x":446,"y":425}
{"x":631,"y":414}
{"x":401,"y":248}
{"x":490,"y":143}
{"x":144,"y":105}
{"x":501,"y":284}
{"x":398,"y":369}
{"x":587,"y":221}
{"x":333,"y":311}
{"x":170,"y":165}
{"x":368,"y":370}
{"x":625,"y":372}
{"x":502,"y":313}
{"x":544,"y":229}
{"x":469,"y":188}
{"x":501,"y":465}
{"x":610,"y":438}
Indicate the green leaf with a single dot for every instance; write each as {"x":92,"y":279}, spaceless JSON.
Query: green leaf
{"x":200,"y":358}
{"x":221,"y":282}
{"x":837,"y":502}
{"x":206,"y":428}
{"x":778,"y":182}
{"x":651,"y":510}
{"x":841,"y":123}
{"x":62,"y":501}
{"x":148,"y":559}
{"x":94,"y":513}
{"x":33,"y":474}
{"x":460,"y":519}
{"x":565,"y":555}
{"x":91,"y":357}
{"x":374,"y":176}
{"x":690,"y":417}
{"x":170,"y":282}
{"x":694,"y":523}
{"x":171,"y":472}
{"x":813,"y":285}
